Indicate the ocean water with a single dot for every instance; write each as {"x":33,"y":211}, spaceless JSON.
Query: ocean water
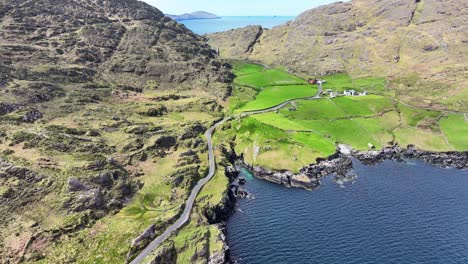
{"x":392,"y":213}
{"x":205,"y":26}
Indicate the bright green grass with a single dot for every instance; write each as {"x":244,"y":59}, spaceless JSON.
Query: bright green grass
{"x":353,"y":107}
{"x":338,"y":82}
{"x":364,"y":105}
{"x":268,"y":78}
{"x":242,"y":68}
{"x":315,"y":141}
{"x":455,"y":128}
{"x":315,"y":109}
{"x":241,"y":95}
{"x":315,"y":125}
{"x":275,"y":95}
{"x":342,"y":131}
{"x":211,"y":194}
{"x":188,"y":240}
{"x":261,"y":144}
{"x":380,"y":127}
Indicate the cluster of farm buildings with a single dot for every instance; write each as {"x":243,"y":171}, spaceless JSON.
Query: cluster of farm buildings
{"x":334,"y":93}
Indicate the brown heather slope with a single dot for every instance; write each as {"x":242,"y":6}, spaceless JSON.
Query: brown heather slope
{"x":103,"y":104}
{"x":115,"y":42}
{"x":420,"y":45}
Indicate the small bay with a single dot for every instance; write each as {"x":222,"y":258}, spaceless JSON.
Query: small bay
{"x":391,"y":213}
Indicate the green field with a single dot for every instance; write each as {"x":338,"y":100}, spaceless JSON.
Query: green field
{"x":307,"y":129}
{"x":340,"y":82}
{"x":455,"y":127}
{"x":274,"y":95}
{"x":257,"y":87}
{"x":268,"y":77}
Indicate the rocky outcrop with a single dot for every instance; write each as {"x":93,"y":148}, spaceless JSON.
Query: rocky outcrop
{"x":286,"y":178}
{"x":236,"y":43}
{"x":341,"y":164}
{"x":165,"y":142}
{"x":6,"y":108}
{"x":193,"y":131}
{"x":222,"y":256}
{"x":458,"y":160}
{"x":107,"y":191}
{"x":336,"y":164}
{"x":32,"y":116}
{"x":166,"y":254}
{"x":309,"y":177}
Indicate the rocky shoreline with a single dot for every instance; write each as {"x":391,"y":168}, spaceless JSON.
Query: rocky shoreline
{"x":340,"y":164}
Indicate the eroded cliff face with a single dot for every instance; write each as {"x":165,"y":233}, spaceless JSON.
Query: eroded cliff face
{"x":379,"y":38}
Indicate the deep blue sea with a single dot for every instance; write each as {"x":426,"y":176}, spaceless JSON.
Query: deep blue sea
{"x":205,"y":26}
{"x":392,"y":213}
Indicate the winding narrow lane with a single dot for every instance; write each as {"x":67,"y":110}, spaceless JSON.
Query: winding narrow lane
{"x":183,"y":219}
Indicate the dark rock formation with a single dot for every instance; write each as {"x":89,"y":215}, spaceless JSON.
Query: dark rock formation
{"x":6,"y":108}
{"x":458,"y":160}
{"x":149,"y":234}
{"x":166,"y":254}
{"x":193,"y":131}
{"x":156,"y":111}
{"x":286,"y":178}
{"x":222,"y":256}
{"x":32,"y":116}
{"x":340,"y":165}
{"x":106,"y":191}
{"x":236,"y":43}
{"x":165,"y":142}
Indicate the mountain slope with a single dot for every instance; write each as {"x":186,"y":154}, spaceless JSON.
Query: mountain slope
{"x":103,"y":104}
{"x":419,"y":45}
{"x":124,"y":42}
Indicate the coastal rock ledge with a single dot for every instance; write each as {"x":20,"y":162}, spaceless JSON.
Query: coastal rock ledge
{"x":341,"y":164}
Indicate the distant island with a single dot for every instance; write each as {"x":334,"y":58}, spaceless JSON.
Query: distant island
{"x":194,"y":15}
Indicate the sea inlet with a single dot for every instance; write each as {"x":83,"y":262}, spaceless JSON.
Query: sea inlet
{"x":389,"y":213}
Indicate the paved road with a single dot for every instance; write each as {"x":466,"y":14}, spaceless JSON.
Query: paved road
{"x":193,"y":195}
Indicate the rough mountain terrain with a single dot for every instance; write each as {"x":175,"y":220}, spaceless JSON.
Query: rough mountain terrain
{"x":101,"y":106}
{"x":420,"y":45}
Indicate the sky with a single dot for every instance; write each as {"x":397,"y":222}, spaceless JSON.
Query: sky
{"x":238,"y":7}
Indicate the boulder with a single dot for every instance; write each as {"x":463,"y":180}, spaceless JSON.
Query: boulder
{"x":74,"y":185}
{"x":165,"y":142}
{"x":32,"y":116}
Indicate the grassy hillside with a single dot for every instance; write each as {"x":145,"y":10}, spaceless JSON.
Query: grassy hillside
{"x":307,"y":129}
{"x":418,"y":46}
